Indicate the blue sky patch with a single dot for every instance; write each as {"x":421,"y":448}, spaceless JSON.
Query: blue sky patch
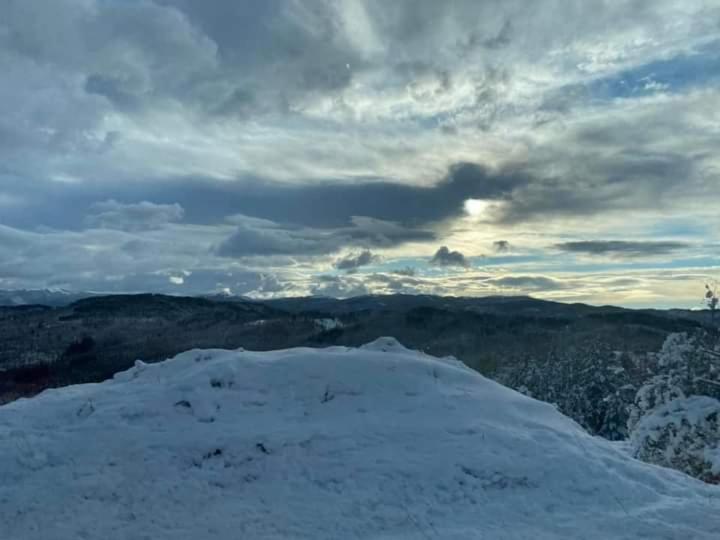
{"x":677,"y":74}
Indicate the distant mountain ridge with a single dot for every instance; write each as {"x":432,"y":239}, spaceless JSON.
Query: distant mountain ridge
{"x":45,"y":297}
{"x":520,"y":304}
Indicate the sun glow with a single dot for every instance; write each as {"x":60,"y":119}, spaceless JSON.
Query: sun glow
{"x":476,"y":207}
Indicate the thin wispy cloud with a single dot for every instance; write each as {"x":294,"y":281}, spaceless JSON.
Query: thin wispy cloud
{"x":622,"y":248}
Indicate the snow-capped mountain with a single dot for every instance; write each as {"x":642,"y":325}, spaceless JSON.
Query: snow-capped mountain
{"x":45,"y":297}
{"x":376,"y":442}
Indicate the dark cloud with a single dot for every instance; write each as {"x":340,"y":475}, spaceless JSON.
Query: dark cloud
{"x":445,"y":257}
{"x":610,"y":165}
{"x":319,"y":203}
{"x":333,"y":204}
{"x":633,"y":182}
{"x":622,"y":248}
{"x":254,"y":237}
{"x":138,"y":216}
{"x":501,"y":246}
{"x":381,"y":233}
{"x":353,"y":262}
{"x":274,"y":55}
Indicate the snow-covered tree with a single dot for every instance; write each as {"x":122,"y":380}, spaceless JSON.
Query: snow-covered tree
{"x":589,"y":383}
{"x":658,"y":391}
{"x":670,"y":380}
{"x":683,"y":434}
{"x":673,"y":420}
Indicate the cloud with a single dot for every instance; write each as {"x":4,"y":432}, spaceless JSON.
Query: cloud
{"x":382,"y":209}
{"x":501,"y":246}
{"x":223,"y":75}
{"x":408,"y":271}
{"x":138,"y":216}
{"x":303,"y":117}
{"x":381,"y":233}
{"x":526,"y":283}
{"x":445,"y":257}
{"x":255,"y":237}
{"x":114,"y":260}
{"x":338,"y":286}
{"x":270,"y":286}
{"x":108,"y":260}
{"x":335,"y":203}
{"x":353,"y":262}
{"x":628,"y":159}
{"x":622,"y":248}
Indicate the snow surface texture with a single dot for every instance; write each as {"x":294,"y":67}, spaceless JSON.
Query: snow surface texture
{"x":376,"y":443}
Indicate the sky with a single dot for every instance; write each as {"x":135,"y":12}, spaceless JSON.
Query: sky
{"x":562,"y":149}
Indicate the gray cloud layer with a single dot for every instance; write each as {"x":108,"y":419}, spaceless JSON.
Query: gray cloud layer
{"x":330,"y":204}
{"x":262,"y":237}
{"x":624,"y":248}
{"x":144,"y":215}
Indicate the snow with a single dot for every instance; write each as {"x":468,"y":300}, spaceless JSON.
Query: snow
{"x":329,"y":324}
{"x":683,"y":434}
{"x":377,"y":442}
{"x":692,"y":410}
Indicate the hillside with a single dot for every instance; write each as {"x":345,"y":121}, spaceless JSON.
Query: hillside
{"x":93,"y":338}
{"x":376,"y":443}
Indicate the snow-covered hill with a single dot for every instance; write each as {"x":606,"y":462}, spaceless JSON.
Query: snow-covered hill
{"x":376,"y":443}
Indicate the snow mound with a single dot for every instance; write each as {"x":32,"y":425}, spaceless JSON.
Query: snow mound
{"x":384,"y":344}
{"x":374,"y":443}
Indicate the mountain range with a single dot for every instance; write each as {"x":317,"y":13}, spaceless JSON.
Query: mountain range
{"x":69,"y":340}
